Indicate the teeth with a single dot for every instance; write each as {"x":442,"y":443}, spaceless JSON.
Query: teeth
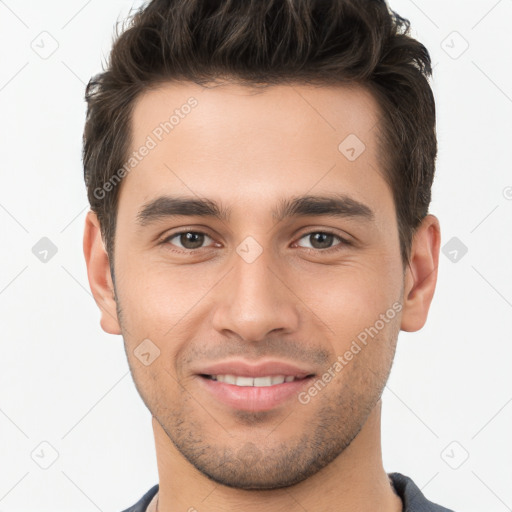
{"x":228,"y":379}
{"x":256,"y":381}
{"x":244,"y":381}
{"x":262,"y":381}
{"x":279,"y":379}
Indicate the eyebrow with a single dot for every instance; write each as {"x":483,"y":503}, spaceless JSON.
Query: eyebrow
{"x":333,"y":205}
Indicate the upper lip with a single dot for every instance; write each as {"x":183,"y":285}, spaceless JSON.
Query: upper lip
{"x":242,"y":368}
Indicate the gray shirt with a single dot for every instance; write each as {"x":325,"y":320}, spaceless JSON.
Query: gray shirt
{"x":412,"y":498}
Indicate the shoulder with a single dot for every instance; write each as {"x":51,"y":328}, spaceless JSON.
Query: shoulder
{"x":143,"y":503}
{"x":412,"y":497}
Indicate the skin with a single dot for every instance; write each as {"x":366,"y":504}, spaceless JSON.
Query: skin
{"x":248,"y":149}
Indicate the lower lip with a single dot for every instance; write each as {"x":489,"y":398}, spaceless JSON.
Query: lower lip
{"x":252,"y":398}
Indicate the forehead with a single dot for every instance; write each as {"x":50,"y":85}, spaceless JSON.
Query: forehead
{"x":241,"y":110}
{"x":229,"y":140}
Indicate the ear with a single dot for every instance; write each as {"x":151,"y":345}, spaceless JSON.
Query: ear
{"x":421,"y":274}
{"x":98,"y":272}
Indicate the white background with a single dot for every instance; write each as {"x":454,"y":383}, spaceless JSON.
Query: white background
{"x":65,"y":382}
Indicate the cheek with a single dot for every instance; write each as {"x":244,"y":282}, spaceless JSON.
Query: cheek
{"x":349,"y":297}
{"x":163,"y":305}
{"x":366,"y":354}
{"x":158,"y":296}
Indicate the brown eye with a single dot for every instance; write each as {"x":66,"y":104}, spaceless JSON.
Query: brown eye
{"x":189,"y":240}
{"x":321,"y":240}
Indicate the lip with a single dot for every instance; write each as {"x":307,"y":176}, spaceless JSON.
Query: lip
{"x":242,"y":368}
{"x":253,"y":398}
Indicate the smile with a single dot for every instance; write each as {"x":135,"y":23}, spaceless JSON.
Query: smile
{"x":270,"y":380}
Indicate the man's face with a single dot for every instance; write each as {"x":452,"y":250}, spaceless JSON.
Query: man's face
{"x":262,"y":294}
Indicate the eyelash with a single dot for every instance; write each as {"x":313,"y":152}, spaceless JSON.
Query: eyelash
{"x":344,"y":242}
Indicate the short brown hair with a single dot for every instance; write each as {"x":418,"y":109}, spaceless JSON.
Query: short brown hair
{"x":267,"y":42}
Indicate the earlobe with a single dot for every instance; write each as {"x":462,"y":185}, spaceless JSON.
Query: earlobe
{"x":421,"y":274}
{"x":98,"y":272}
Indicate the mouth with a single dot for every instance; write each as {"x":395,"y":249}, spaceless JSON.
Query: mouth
{"x":258,"y":382}
{"x":247,"y":387}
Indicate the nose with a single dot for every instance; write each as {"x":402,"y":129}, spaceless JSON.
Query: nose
{"x":255,"y":300}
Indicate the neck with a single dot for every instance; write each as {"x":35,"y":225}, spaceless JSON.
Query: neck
{"x":355,"y":480}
